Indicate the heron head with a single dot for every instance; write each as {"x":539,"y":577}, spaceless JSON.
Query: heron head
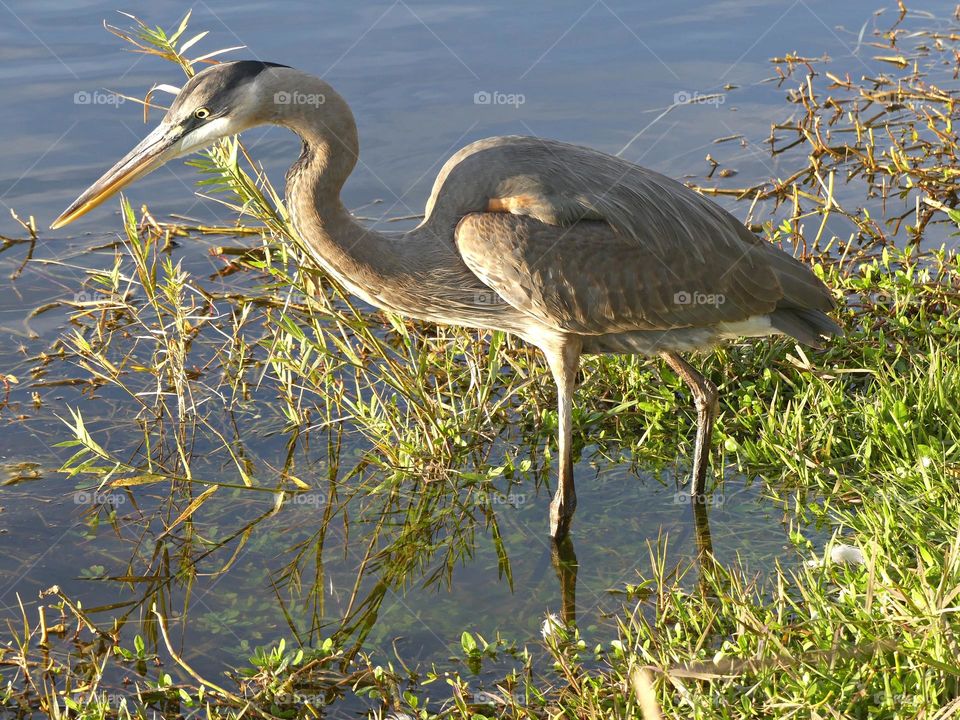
{"x":222,"y":100}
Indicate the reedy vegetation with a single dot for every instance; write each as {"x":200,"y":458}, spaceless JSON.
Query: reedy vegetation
{"x":861,"y":438}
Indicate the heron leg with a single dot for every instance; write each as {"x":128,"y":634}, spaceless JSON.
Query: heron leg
{"x":705,"y":399}
{"x":563,"y":361}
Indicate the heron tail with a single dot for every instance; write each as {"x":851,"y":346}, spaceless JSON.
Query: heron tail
{"x":802,"y":311}
{"x":807,"y":325}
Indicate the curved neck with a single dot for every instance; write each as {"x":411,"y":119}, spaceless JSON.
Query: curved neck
{"x":419,"y":274}
{"x":315,"y":111}
{"x":353,"y":255}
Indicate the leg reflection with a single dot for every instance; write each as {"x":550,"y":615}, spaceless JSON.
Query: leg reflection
{"x":565,"y":564}
{"x":705,"y":558}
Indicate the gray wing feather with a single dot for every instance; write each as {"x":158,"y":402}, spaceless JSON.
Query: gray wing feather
{"x":603,"y":245}
{"x":588,"y":279}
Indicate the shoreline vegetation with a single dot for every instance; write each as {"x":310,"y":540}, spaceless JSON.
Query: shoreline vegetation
{"x":861,"y":439}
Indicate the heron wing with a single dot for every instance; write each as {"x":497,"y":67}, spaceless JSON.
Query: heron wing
{"x":586,"y":278}
{"x":589,"y":243}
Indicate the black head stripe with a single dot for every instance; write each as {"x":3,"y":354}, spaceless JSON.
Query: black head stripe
{"x":214,"y":85}
{"x":241,"y":71}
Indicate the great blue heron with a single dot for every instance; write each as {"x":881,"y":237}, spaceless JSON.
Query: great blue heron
{"x":573,"y":250}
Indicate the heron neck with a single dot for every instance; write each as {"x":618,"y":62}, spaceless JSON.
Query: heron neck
{"x":357,"y":257}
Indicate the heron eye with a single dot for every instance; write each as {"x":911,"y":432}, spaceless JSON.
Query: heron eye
{"x":201,"y":113}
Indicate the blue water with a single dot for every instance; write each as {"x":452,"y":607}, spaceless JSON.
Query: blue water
{"x":423,"y":79}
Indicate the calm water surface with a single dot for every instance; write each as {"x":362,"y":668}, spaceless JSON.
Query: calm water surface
{"x":416,"y":74}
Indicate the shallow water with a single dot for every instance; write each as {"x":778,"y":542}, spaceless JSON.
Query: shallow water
{"x":417,"y":75}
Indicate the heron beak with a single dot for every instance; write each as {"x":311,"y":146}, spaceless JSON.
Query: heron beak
{"x":157,"y":148}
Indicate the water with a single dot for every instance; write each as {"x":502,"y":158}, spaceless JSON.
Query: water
{"x":423,"y":79}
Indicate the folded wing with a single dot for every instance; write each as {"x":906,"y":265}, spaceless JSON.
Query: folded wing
{"x":588,"y":243}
